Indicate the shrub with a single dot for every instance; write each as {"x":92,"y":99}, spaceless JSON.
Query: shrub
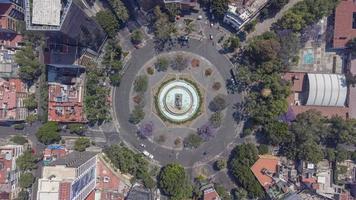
{"x":208,"y":72}
{"x":218,"y":103}
{"x":150,"y":71}
{"x":19,"y":126}
{"x":179,"y":63}
{"x":145,"y":130}
{"x":206,"y":131}
{"x":138,"y":99}
{"x":220,"y":164}
{"x":18,"y":139}
{"x":136,"y":115}
{"x":215,"y":119}
{"x":76,"y":128}
{"x":136,"y":37}
{"x":216,"y":86}
{"x":161,"y":138}
{"x":192,"y":141}
{"x":161,"y":64}
{"x":141,"y":83}
{"x":195,"y":62}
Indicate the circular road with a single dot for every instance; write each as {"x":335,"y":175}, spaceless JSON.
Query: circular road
{"x":227,"y":134}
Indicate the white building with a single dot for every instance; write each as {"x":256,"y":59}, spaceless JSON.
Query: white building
{"x":238,"y":17}
{"x":72,"y":177}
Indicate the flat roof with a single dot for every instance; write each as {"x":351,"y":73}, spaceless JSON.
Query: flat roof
{"x":344,"y":22}
{"x":46,"y":12}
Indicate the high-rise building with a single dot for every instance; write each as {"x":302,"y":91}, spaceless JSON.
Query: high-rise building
{"x":11,"y":15}
{"x":68,"y":24}
{"x":72,"y":177}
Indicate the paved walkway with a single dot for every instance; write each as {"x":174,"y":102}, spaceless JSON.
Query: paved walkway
{"x":266,"y":24}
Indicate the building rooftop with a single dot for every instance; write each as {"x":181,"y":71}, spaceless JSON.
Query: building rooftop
{"x":211,"y":194}
{"x":46,"y":12}
{"x":264,"y":168}
{"x":53,"y":152}
{"x":345,"y":23}
{"x":12,"y":94}
{"x":74,"y":159}
{"x":139,"y":192}
{"x":65,"y":93}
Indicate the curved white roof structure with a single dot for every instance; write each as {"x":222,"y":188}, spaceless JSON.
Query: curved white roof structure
{"x":327,"y":90}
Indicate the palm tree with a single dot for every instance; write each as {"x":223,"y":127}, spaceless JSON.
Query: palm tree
{"x":189,"y":26}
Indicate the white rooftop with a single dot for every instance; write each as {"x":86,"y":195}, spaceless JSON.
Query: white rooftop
{"x":46,"y":12}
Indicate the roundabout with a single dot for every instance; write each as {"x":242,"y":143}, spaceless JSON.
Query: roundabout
{"x":176,"y":104}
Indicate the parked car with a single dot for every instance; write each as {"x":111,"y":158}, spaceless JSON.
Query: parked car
{"x":147,"y":154}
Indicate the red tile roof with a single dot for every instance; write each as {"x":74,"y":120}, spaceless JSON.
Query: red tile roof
{"x":65,"y":110}
{"x":10,"y":93}
{"x":269,"y":163}
{"x":64,"y":190}
{"x":211,"y":194}
{"x":343,"y":30}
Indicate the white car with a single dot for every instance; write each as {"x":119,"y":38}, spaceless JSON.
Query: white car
{"x":200,"y":17}
{"x":146,"y":153}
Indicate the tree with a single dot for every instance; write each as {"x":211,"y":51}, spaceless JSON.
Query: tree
{"x":218,"y":103}
{"x":219,"y":8}
{"x":115,"y":79}
{"x":31,"y":118}
{"x":215,"y":119}
{"x":173,"y":9}
{"x":145,"y":130}
{"x":136,"y":36}
{"x":26,"y":161}
{"x":240,"y":193}
{"x":162,"y":26}
{"x":173,"y":182}
{"x":141,"y":83}
{"x":341,"y":154}
{"x":48,"y":133}
{"x":108,"y":22}
{"x":76,"y":128}
{"x":232,"y":43}
{"x":250,"y":27}
{"x":161,"y":64}
{"x":329,"y":154}
{"x":276,"y":132}
{"x":30,"y":102}
{"x":263,"y":149}
{"x":128,"y":162}
{"x":18,"y":139}
{"x":241,"y":159}
{"x":26,"y":180}
{"x":220,"y":164}
{"x":30,"y":68}
{"x":120,"y":10}
{"x":136,"y":115}
{"x":179,"y":63}
{"x":223,"y":193}
{"x":81,"y":144}
{"x":23,"y":195}
{"x":206,"y":131}
{"x":192,"y":141}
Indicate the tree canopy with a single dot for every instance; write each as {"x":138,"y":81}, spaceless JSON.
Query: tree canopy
{"x":30,"y":67}
{"x":241,"y":159}
{"x":174,"y":182}
{"x":48,"y":133}
{"x":108,"y":22}
{"x":26,"y":180}
{"x":81,"y":144}
{"x":26,"y":161}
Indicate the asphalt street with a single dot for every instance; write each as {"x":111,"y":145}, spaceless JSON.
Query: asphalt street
{"x":228,"y":133}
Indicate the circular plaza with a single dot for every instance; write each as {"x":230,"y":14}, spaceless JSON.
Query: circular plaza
{"x":174,"y":104}
{"x":178,"y":101}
